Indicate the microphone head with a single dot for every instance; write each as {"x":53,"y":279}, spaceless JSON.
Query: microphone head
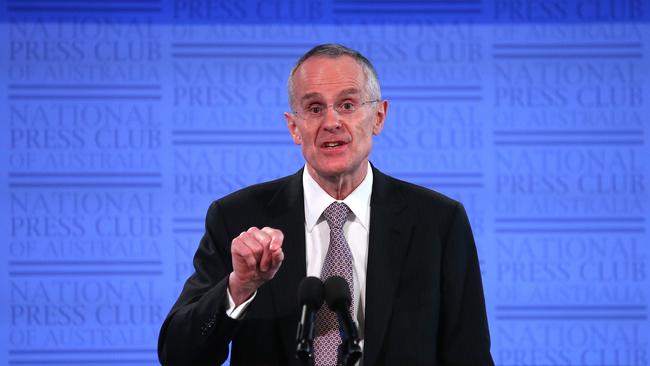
{"x":311,"y":292}
{"x":337,"y":293}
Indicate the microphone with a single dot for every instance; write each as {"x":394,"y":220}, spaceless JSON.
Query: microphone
{"x":337,"y":295}
{"x":310,"y":297}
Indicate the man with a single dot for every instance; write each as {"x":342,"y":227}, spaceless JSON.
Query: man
{"x":407,"y":253}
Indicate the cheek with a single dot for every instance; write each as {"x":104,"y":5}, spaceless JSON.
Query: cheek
{"x":302,"y":132}
{"x":365,"y":131}
{"x":309,"y":137}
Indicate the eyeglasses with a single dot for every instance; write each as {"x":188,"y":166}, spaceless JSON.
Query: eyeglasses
{"x":316,"y":112}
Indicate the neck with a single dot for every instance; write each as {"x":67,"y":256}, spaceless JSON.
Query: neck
{"x":339,"y":186}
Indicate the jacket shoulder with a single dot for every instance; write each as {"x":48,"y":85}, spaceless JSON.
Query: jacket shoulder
{"x":425,"y":206}
{"x":417,"y":195}
{"x":256,"y":196}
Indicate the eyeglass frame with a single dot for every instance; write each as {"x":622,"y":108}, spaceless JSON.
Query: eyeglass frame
{"x":328,"y":106}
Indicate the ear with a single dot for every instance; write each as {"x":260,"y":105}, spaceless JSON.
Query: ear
{"x":293,"y":128}
{"x":380,"y":117}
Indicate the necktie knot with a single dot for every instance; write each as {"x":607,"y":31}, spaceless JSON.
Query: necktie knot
{"x":336,"y":214}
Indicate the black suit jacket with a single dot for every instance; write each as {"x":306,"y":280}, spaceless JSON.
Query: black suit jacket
{"x":424,"y":298}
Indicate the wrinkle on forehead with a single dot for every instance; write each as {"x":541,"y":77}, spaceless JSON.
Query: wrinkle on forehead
{"x":342,"y":93}
{"x":347,"y":89}
{"x":326,"y":81}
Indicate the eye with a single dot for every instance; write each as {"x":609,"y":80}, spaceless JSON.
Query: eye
{"x":347,"y":106}
{"x":315,"y":109}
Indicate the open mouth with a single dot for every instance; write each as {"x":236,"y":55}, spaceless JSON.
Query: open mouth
{"x":333,"y":144}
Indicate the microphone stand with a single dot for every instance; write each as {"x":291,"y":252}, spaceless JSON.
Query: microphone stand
{"x":305,"y":348}
{"x":349,"y":351}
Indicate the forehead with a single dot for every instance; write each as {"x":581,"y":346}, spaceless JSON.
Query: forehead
{"x":328,"y":77}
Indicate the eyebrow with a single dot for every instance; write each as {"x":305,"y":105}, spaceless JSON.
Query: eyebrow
{"x":309,"y":96}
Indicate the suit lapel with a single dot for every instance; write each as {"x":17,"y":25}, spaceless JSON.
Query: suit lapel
{"x":387,"y":247}
{"x":288,"y":214}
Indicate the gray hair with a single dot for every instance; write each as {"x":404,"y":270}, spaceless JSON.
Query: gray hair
{"x":334,"y":51}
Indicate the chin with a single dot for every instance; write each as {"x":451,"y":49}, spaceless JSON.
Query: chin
{"x":336,"y":169}
{"x":329,"y":170}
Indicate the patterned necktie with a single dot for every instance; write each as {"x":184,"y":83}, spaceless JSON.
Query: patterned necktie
{"x":338,"y":262}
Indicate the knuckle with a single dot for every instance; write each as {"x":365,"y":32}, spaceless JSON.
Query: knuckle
{"x":257,"y":242}
{"x":235,"y":244}
{"x":269,"y":230}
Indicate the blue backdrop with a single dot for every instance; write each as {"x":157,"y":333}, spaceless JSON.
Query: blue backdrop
{"x":122,"y":120}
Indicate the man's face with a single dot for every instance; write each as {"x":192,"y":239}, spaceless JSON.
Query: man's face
{"x":334,"y":145}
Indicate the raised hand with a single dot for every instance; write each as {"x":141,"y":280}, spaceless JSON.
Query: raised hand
{"x":256,"y":257}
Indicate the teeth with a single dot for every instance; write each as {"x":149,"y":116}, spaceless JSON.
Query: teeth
{"x":331,"y":144}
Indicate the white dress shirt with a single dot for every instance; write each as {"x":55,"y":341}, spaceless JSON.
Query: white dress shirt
{"x":317,"y":233}
{"x":355,"y":229}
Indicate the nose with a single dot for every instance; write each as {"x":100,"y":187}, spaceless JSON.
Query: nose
{"x":331,"y":120}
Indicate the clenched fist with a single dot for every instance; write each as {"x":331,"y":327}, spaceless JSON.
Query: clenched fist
{"x":256,"y":257}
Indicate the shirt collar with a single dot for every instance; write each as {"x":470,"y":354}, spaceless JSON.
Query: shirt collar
{"x":317,"y":200}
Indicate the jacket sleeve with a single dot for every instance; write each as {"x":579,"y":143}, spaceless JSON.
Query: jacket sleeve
{"x":464,"y":337}
{"x":197,"y":330}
